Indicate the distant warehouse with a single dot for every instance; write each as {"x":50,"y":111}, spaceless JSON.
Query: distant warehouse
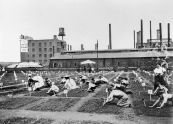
{"x":131,"y":58}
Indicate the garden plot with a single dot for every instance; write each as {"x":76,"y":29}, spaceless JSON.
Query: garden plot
{"x":13,"y":92}
{"x":20,"y":76}
{"x":79,"y":92}
{"x":9,"y":79}
{"x":20,"y":120}
{"x":139,"y":107}
{"x":95,"y":105}
{"x":11,"y":88}
{"x":15,"y":103}
{"x":102,"y":93}
{"x":57,"y":104}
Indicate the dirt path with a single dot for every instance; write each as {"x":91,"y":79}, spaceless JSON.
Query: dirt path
{"x":77,"y":116}
{"x":61,"y":116}
{"x":84,"y":99}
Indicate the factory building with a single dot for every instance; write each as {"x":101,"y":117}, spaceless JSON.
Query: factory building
{"x":42,"y":50}
{"x":131,"y":58}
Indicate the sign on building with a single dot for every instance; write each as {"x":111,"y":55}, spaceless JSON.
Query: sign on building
{"x":23,"y":44}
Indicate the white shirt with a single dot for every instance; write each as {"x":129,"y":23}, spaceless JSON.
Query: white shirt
{"x":118,"y":93}
{"x":125,"y":81}
{"x":70,"y":84}
{"x":91,"y":85}
{"x":159,"y":70}
{"x":54,"y":88}
{"x":84,"y":77}
{"x":167,"y":96}
{"x":116,"y":85}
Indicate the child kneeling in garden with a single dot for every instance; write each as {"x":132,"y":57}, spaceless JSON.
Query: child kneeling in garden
{"x":54,"y":89}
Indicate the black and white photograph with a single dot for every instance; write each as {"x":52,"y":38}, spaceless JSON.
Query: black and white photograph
{"x":86,"y":62}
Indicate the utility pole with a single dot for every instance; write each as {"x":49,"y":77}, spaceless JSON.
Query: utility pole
{"x":97,"y":55}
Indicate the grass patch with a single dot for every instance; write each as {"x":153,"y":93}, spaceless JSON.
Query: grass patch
{"x":21,"y":120}
{"x":59,"y":104}
{"x":14,"y":103}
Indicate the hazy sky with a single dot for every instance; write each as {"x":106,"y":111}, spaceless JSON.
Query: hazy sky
{"x":85,"y":21}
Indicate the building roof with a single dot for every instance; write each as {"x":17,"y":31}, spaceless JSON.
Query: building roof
{"x":48,"y":40}
{"x":108,"y":54}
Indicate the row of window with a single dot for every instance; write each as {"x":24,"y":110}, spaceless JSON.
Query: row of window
{"x":40,"y":61}
{"x":40,"y":55}
{"x":45,"y":50}
{"x":45,"y":44}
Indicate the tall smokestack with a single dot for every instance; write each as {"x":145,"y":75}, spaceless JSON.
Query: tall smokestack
{"x":168,"y":35}
{"x":150,"y":35}
{"x":96,"y":46}
{"x":134,"y":38}
{"x":70,"y":47}
{"x":110,"y":38}
{"x":138,"y":45}
{"x":160,"y":28}
{"x":158,"y":34}
{"x":82,"y":48}
{"x":142,"y":33}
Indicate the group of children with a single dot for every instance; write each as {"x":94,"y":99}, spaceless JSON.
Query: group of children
{"x":68,"y":82}
{"x":118,"y":89}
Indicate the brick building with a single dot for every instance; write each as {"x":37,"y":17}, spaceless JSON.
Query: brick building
{"x":40,"y":50}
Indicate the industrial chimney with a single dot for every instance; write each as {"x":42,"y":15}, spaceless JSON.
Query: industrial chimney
{"x":150,"y":35}
{"x":82,"y":47}
{"x":158,"y":34}
{"x":96,"y":46}
{"x":168,"y":34}
{"x":110,"y":38}
{"x":160,"y":28}
{"x":142,"y":33}
{"x":70,"y":47}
